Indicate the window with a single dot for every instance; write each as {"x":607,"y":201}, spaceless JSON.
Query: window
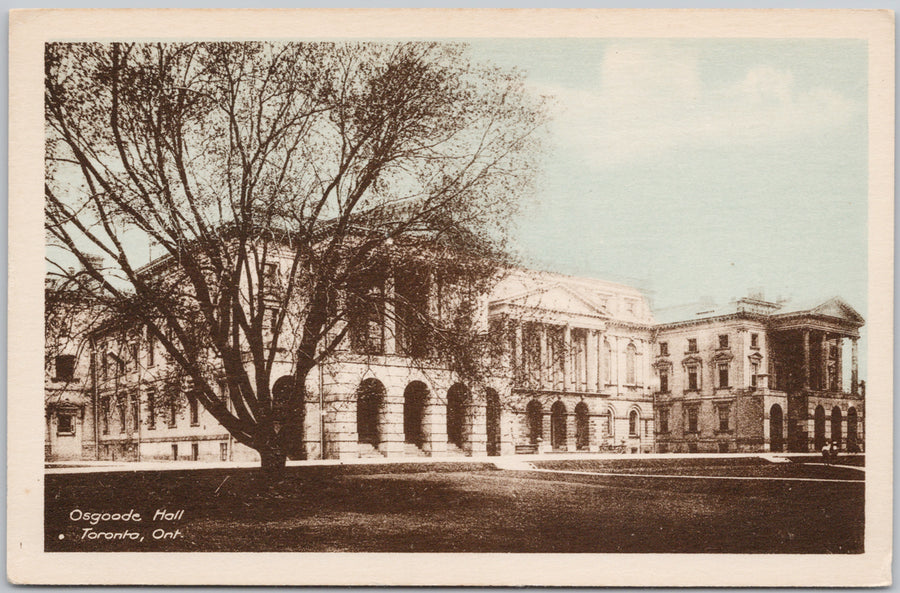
{"x":122,"y":413}
{"x":754,"y":371}
{"x":692,"y":344}
{"x":663,"y":348}
{"x":664,"y":381}
{"x":723,"y":340}
{"x":606,"y":424}
{"x":104,"y":362}
{"x":663,"y":420}
{"x":175,"y":451}
{"x":754,"y":340}
{"x":693,"y":374}
{"x":692,"y":415}
{"x":151,"y":348}
{"x":630,"y":353}
{"x":133,"y":355}
{"x":723,"y":375}
{"x":724,"y":415}
{"x":633,"y":423}
{"x":65,"y":367}
{"x":135,"y":412}
{"x":151,"y":410}
{"x":194,"y":409}
{"x":270,"y":272}
{"x":195,"y":451}
{"x":173,"y":415}
{"x":104,"y":413}
{"x":223,"y":451}
{"x":65,"y":424}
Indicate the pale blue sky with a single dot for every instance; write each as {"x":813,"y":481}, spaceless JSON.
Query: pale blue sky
{"x":700,"y":167}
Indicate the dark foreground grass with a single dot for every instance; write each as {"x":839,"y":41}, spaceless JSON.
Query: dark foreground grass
{"x":455,"y":508}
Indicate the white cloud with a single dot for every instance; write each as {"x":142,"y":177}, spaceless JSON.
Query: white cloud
{"x":647,"y":101}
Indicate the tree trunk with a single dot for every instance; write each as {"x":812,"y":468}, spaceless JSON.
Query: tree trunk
{"x":272,"y":462}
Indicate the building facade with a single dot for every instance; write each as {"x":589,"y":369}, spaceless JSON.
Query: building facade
{"x":757,"y":376}
{"x":582,"y":365}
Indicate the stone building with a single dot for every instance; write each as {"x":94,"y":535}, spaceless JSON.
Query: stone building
{"x":757,"y":376}
{"x":580,"y":365}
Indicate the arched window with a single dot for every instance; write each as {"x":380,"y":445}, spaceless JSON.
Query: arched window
{"x":633,"y":421}
{"x":630,"y":353}
{"x":606,"y":421}
{"x":535,"y":421}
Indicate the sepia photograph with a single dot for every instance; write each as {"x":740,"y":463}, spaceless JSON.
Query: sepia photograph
{"x":433,"y":292}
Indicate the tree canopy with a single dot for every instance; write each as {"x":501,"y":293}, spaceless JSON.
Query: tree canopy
{"x":276,"y":182}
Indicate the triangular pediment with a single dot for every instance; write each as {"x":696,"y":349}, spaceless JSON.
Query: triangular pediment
{"x":837,"y":307}
{"x":557,"y":298}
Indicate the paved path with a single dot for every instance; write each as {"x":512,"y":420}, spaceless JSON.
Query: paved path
{"x":511,"y":462}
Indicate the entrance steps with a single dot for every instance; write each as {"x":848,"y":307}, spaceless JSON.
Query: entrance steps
{"x":366,"y":450}
{"x":454,"y":451}
{"x":413,"y":450}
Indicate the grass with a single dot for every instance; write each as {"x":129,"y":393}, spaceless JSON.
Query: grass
{"x":466,"y":507}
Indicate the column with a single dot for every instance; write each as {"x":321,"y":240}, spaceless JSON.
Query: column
{"x":568,"y":378}
{"x":806,"y":359}
{"x":854,"y":368}
{"x":824,"y":362}
{"x":839,"y":363}
{"x":390,"y":341}
{"x":616,"y":371}
{"x":518,"y":359}
{"x":591,"y":360}
{"x":545,"y":371}
{"x":600,"y":362}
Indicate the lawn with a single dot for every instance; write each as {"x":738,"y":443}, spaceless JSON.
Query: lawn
{"x":468,"y":507}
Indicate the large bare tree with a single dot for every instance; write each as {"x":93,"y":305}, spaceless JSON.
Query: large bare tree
{"x":278,"y":182}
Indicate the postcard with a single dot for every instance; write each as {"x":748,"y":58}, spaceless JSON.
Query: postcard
{"x":451,"y":297}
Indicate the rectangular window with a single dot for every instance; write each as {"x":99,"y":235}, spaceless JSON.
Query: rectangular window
{"x":65,"y":424}
{"x":135,"y":412}
{"x":724,"y":415}
{"x":195,"y":451}
{"x":104,"y":413}
{"x":693,"y":378}
{"x":754,"y":340}
{"x":65,"y":367}
{"x":133,"y":355}
{"x":151,"y":410}
{"x":754,"y":371}
{"x":173,"y":415}
{"x":195,"y":409}
{"x":122,"y":412}
{"x":365,"y":301}
{"x":175,"y":451}
{"x":692,"y":344}
{"x":663,"y":348}
{"x":664,"y":381}
{"x":151,"y":348}
{"x":270,"y":272}
{"x":664,"y":420}
{"x":223,"y":451}
{"x":723,"y":340}
{"x":723,"y":375}
{"x":693,"y":414}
